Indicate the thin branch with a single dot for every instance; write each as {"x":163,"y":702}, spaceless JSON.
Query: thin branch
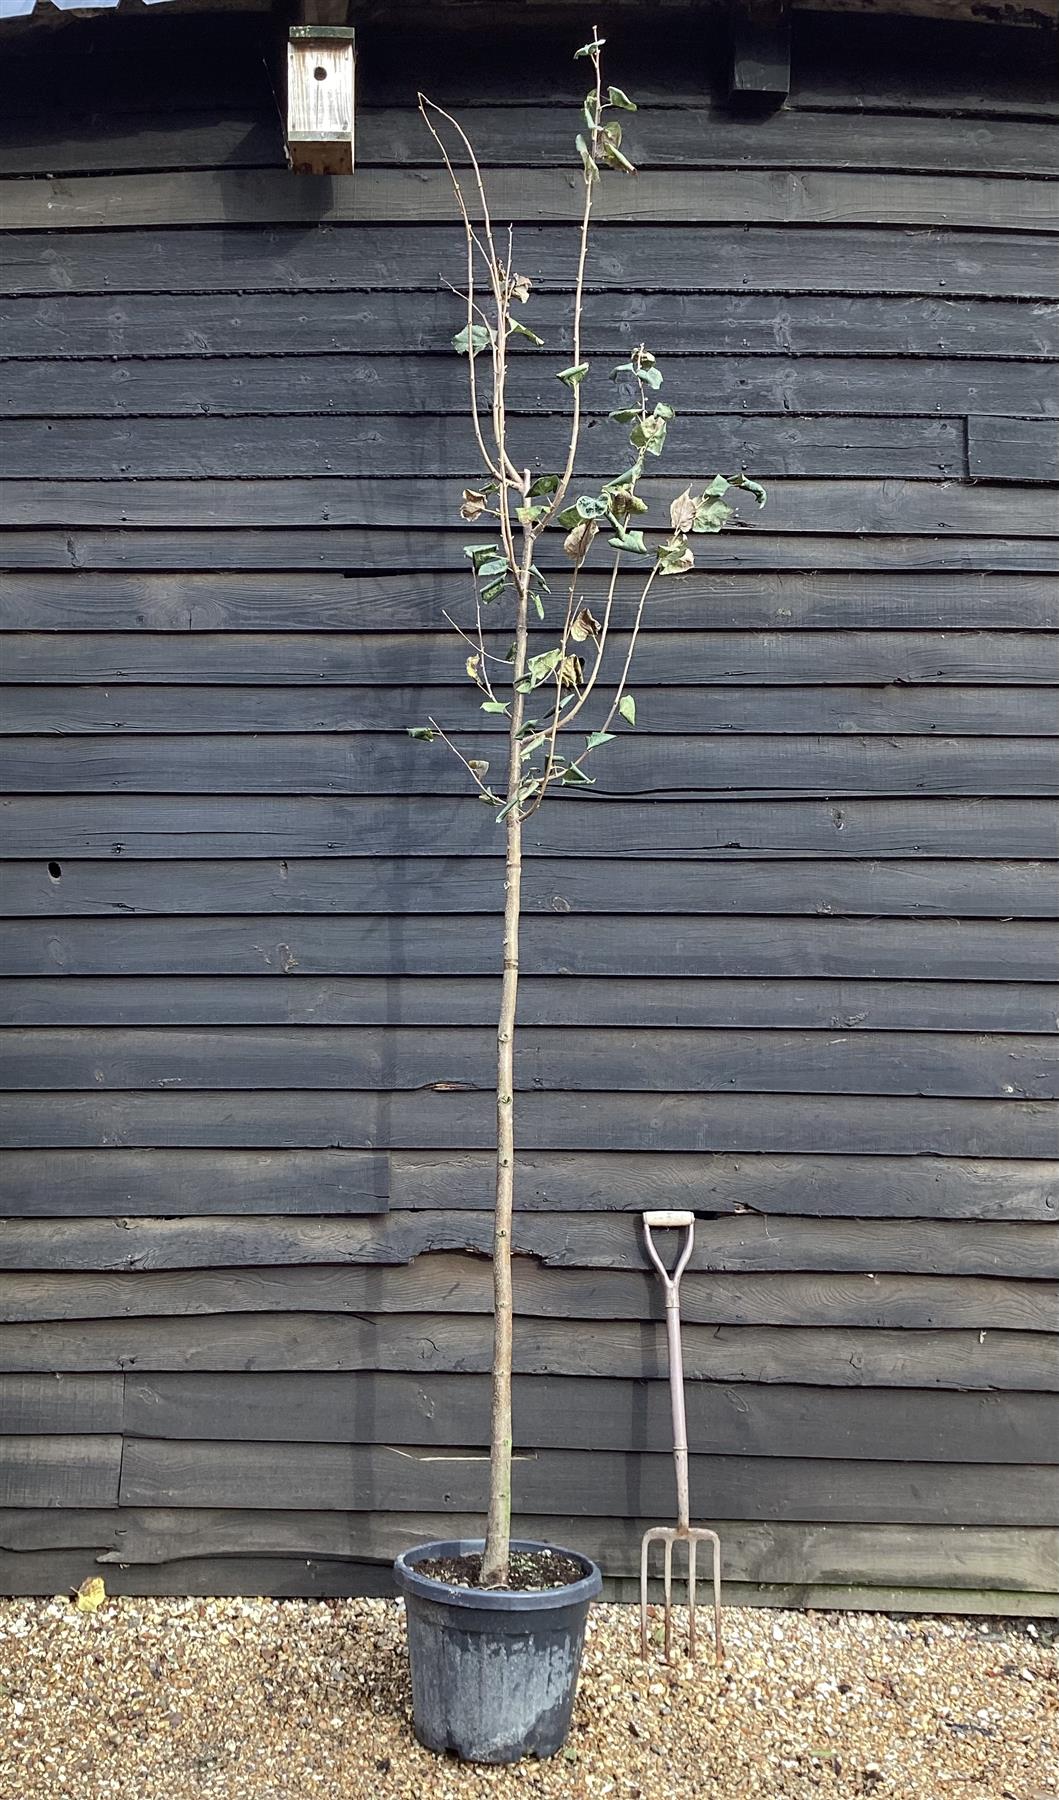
{"x":458,"y":754}
{"x":619,"y":691}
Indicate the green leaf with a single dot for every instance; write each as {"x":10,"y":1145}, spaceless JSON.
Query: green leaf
{"x":539,"y":604}
{"x":480,"y":553}
{"x":519,"y":330}
{"x":568,"y":518}
{"x":622,"y":369}
{"x":589,"y":49}
{"x":711,"y":515}
{"x":480,"y":339}
{"x":718,"y":486}
{"x":633,"y":541}
{"x":627,"y":478}
{"x":751,"y":487}
{"x":526,"y":792}
{"x":587,"y":506}
{"x":423,"y":733}
{"x":650,"y":434}
{"x":617,"y":159}
{"x":624,"y":501}
{"x":588,"y":112}
{"x":538,"y":669}
{"x":492,"y":590}
{"x":528,"y":515}
{"x":616,"y":97}
{"x":651,"y":376}
{"x":574,"y":376}
{"x":490,"y":567}
{"x":588,"y":162}
{"x":494,"y":706}
{"x":676,"y":557}
{"x":627,"y":709}
{"x":625,"y":415}
{"x":544,"y":484}
{"x":575,"y":777}
{"x":598,"y":737}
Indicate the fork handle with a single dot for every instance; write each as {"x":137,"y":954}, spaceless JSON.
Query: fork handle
{"x":661,"y":1219}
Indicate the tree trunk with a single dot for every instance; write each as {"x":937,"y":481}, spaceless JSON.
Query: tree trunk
{"x":498,"y":1529}
{"x":494,"y":1571}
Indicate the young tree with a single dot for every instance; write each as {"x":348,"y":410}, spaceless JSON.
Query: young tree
{"x":560,"y":681}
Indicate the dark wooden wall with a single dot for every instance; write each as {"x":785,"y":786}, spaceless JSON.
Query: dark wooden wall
{"x":793,"y":965}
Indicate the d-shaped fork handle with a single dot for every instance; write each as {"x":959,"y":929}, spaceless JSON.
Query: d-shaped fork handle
{"x":661,"y":1221}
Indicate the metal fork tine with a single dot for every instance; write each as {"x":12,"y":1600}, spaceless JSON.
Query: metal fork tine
{"x":669,"y":1596}
{"x":691,"y":1598}
{"x":717,"y":1644}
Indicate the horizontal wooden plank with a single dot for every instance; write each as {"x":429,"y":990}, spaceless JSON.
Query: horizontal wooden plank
{"x":62,"y":1571}
{"x":891,"y":710}
{"x":684,"y":136}
{"x":362,"y":551}
{"x":739,"y":1004}
{"x":746,"y":1243}
{"x":837,"y":1186}
{"x":444,"y":1411}
{"x":809,"y":1356}
{"x":417,"y":197}
{"x":357,"y":383}
{"x":952,"y":264}
{"x":93,"y":826}
{"x":773,"y":449}
{"x":713,"y":658}
{"x":443,"y":944}
{"x":311,"y":1119}
{"x":1012,"y":450}
{"x":51,"y":1471}
{"x":674,"y":767}
{"x":278,"y":322}
{"x":49,"y":142}
{"x":713,"y":137}
{"x":452,"y":1282}
{"x":144,"y":1182}
{"x":84,"y":1184}
{"x":90,"y":601}
{"x":564,"y":1483}
{"x":78,"y":468}
{"x":51,"y":1405}
{"x":906,"y":888}
{"x":154,"y":1540}
{"x":570,"y":1060}
{"x":57,"y":1571}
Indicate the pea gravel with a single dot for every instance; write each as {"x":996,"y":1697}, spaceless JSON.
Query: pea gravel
{"x":308,"y":1700}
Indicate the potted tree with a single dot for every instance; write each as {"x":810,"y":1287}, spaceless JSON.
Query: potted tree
{"x":496,"y":1626}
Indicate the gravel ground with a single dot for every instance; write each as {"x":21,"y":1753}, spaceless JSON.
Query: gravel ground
{"x":305,"y":1700}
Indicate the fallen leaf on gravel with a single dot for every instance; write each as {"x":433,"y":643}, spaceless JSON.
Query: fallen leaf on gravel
{"x":90,"y":1595}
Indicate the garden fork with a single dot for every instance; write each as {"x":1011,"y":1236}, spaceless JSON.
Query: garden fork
{"x":683,"y":1530}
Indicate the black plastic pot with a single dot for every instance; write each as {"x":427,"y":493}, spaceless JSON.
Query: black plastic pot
{"x":494,"y":1674}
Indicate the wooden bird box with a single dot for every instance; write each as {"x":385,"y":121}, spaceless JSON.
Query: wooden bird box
{"x":321,"y":68}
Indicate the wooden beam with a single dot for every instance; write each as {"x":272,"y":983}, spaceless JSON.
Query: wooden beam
{"x":760,"y":68}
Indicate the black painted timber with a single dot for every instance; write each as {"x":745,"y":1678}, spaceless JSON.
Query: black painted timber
{"x":792,"y":965}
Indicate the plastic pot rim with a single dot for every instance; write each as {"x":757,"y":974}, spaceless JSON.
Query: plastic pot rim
{"x":506,"y":1600}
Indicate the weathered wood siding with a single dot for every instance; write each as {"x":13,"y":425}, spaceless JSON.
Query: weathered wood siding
{"x":792,"y":965}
